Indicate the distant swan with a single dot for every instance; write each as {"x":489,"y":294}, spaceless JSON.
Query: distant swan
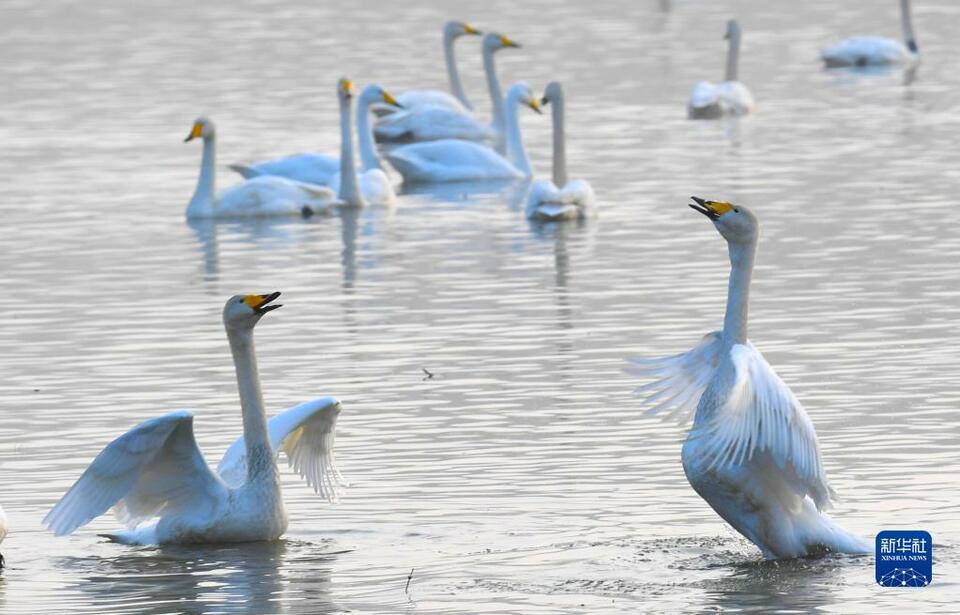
{"x":432,"y":122}
{"x":752,"y":453}
{"x":455,"y":160}
{"x":559,"y":199}
{"x":159,"y":485}
{"x":3,"y":532}
{"x":875,"y":50}
{"x":709,"y":100}
{"x":258,"y":197}
{"x":321,"y":168}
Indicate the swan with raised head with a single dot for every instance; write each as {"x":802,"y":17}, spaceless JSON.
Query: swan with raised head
{"x":321,"y":168}
{"x":456,"y":99}
{"x":876,"y":50}
{"x":3,"y":533}
{"x":257,"y":197}
{"x":560,"y":199}
{"x":752,"y":453}
{"x":159,"y":485}
{"x":730,"y":97}
{"x":433,"y":122}
{"x":455,"y":160}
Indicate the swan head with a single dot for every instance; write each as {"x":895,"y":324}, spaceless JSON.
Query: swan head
{"x":345,"y":89}
{"x":376,"y":94}
{"x":736,"y":223}
{"x":733,"y":30}
{"x":455,"y":29}
{"x":522,"y":94}
{"x":202,"y":127}
{"x":553,"y":93}
{"x":243,"y":312}
{"x":495,"y":40}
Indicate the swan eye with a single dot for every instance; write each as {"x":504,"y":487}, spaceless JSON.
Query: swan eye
{"x":736,"y":209}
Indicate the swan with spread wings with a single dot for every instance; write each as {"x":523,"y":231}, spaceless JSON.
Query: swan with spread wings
{"x":159,"y":485}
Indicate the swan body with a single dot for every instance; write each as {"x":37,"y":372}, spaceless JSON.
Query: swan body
{"x":454,"y":160}
{"x":729,"y":97}
{"x":159,"y":485}
{"x":374,"y":185}
{"x":3,"y":532}
{"x":446,"y":119}
{"x":257,"y":197}
{"x":875,"y":50}
{"x":752,"y":452}
{"x":308,"y":167}
{"x":559,"y":199}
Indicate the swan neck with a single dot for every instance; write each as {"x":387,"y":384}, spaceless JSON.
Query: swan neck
{"x":453,"y":75}
{"x":256,"y":438}
{"x":203,"y":197}
{"x":493,"y":87}
{"x":738,"y":292}
{"x":559,"y":144}
{"x":906,"y":20}
{"x":368,"y":147}
{"x":515,"y":150}
{"x":733,"y":57}
{"x":349,"y":190}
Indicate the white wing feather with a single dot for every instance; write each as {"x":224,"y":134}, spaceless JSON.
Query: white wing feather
{"x":154,"y":468}
{"x":762,"y":415}
{"x":679,"y":380}
{"x":306,"y":434}
{"x":307,"y":168}
{"x":430,"y":123}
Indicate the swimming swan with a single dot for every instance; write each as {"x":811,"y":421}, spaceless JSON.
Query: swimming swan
{"x":432,"y":122}
{"x":257,"y":197}
{"x":709,"y":100}
{"x":875,"y":50}
{"x":752,"y":453}
{"x":159,"y":485}
{"x":3,"y":532}
{"x":321,"y":168}
{"x":456,"y":100}
{"x":547,"y":201}
{"x":455,"y":160}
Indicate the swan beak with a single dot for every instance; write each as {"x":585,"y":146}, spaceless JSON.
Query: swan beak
{"x":535,"y":105}
{"x":196,"y":131}
{"x":507,"y":42}
{"x":468,"y":29}
{"x":390,"y":100}
{"x":346,"y":87}
{"x":711,"y":209}
{"x":259,"y":303}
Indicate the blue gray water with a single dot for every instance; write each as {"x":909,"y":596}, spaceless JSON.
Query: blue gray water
{"x":523,"y":477}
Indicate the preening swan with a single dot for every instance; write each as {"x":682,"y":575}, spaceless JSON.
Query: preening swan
{"x":256,"y":197}
{"x":559,"y":199}
{"x":435,"y":122}
{"x":709,"y":100}
{"x":457,"y":99}
{"x":752,"y":453}
{"x":321,"y":168}
{"x":455,"y":160}
{"x":159,"y":485}
{"x":3,"y":532}
{"x":876,"y":50}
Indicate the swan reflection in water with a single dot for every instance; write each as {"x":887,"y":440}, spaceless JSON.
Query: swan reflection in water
{"x":288,"y":576}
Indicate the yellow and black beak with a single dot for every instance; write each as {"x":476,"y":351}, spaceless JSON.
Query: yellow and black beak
{"x":390,"y":100}
{"x":508,"y":42}
{"x":346,"y":87}
{"x":711,"y":209}
{"x":535,"y":105}
{"x":468,"y":29}
{"x":196,"y":131}
{"x":261,"y":303}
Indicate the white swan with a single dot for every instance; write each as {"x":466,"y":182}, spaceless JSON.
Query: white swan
{"x":875,"y":50}
{"x":3,"y":532}
{"x":455,"y":160}
{"x":321,"y":168}
{"x":547,"y":199}
{"x":457,"y":99}
{"x":709,"y":100}
{"x":159,"y":485}
{"x":257,"y":197}
{"x":432,"y":122}
{"x":752,"y":453}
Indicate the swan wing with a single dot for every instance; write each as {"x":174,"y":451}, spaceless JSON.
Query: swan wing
{"x":431,"y":123}
{"x":155,"y":468}
{"x":306,"y":434}
{"x":308,"y":168}
{"x":678,"y":381}
{"x":270,"y":195}
{"x":762,"y":416}
{"x":735,"y":97}
{"x":450,"y":160}
{"x":704,"y":94}
{"x":865,"y":50}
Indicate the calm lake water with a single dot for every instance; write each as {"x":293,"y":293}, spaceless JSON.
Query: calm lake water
{"x":523,"y":477}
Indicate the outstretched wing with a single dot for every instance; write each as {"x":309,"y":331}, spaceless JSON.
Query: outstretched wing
{"x":680,"y":380}
{"x":155,"y":468}
{"x":762,"y":415}
{"x":306,"y":434}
